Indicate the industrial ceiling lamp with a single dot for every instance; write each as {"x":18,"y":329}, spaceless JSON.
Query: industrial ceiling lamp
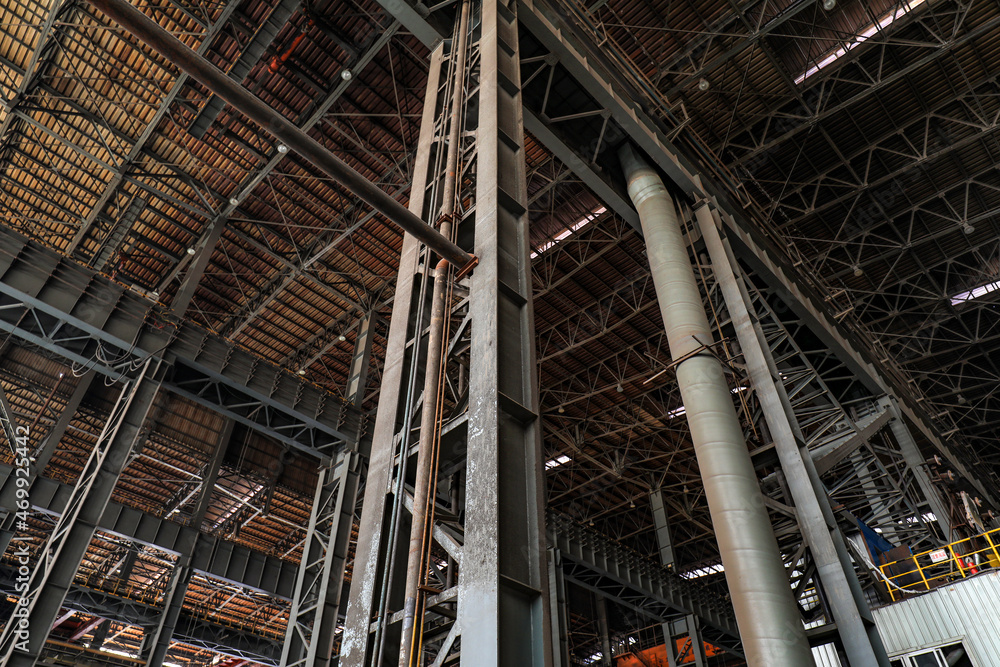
{"x":282,"y":148}
{"x":703,"y":85}
{"x":828,"y":5}
{"x":858,"y":271}
{"x":346,"y":75}
{"x":620,"y":389}
{"x":968,"y":229}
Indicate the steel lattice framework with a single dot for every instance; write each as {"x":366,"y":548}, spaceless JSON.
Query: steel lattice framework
{"x":849,"y":152}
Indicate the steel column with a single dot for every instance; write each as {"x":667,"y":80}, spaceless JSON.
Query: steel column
{"x":503,"y":606}
{"x":155,"y":649}
{"x":915,"y":460}
{"x":51,"y":441}
{"x":43,"y":454}
{"x":375,"y":537}
{"x":316,"y":603}
{"x":863,"y":645}
{"x":770,"y":625}
{"x":661,"y":524}
{"x":559,"y":611}
{"x":60,"y":558}
{"x":315,"y":612}
{"x":357,"y":374}
{"x":8,"y":423}
{"x":602,"y":630}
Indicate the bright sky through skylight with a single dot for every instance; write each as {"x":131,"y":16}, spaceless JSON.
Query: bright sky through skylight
{"x":576,"y":226}
{"x":861,"y":38}
{"x":962,"y":297}
{"x":557,"y":461}
{"x":703,"y":572}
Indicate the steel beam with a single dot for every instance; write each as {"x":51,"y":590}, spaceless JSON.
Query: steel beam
{"x":139,"y":145}
{"x":201,"y":70}
{"x":828,"y":459}
{"x":53,"y":302}
{"x":47,"y":447}
{"x":250,"y":55}
{"x":673,"y":596}
{"x":215,"y":557}
{"x":217,"y":225}
{"x":196,"y":631}
{"x":8,"y":423}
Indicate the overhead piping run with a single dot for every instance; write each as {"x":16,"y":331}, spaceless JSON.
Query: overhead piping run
{"x":766,"y":612}
{"x":426,"y":475}
{"x":198,"y":68}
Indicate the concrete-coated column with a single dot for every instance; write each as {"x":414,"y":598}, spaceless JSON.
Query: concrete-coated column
{"x":861,"y":647}
{"x":766,"y":611}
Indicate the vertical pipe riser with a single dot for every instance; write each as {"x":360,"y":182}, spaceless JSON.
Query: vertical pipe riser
{"x":423,"y":483}
{"x":769,"y":622}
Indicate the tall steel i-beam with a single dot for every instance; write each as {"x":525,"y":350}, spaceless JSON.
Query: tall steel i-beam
{"x":497,"y":613}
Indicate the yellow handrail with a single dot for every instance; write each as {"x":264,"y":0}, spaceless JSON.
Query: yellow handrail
{"x":934,"y":567}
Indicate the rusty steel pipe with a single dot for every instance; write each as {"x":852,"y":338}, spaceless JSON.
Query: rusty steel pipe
{"x":424,"y":483}
{"x":198,"y":68}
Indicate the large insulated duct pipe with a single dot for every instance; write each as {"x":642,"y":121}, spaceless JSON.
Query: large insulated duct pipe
{"x":201,"y":70}
{"x":768,"y":618}
{"x":862,"y":644}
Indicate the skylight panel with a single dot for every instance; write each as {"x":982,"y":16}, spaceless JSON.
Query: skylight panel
{"x":572,"y":229}
{"x":975,"y":293}
{"x":557,"y":461}
{"x":703,"y":572}
{"x":859,"y":39}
